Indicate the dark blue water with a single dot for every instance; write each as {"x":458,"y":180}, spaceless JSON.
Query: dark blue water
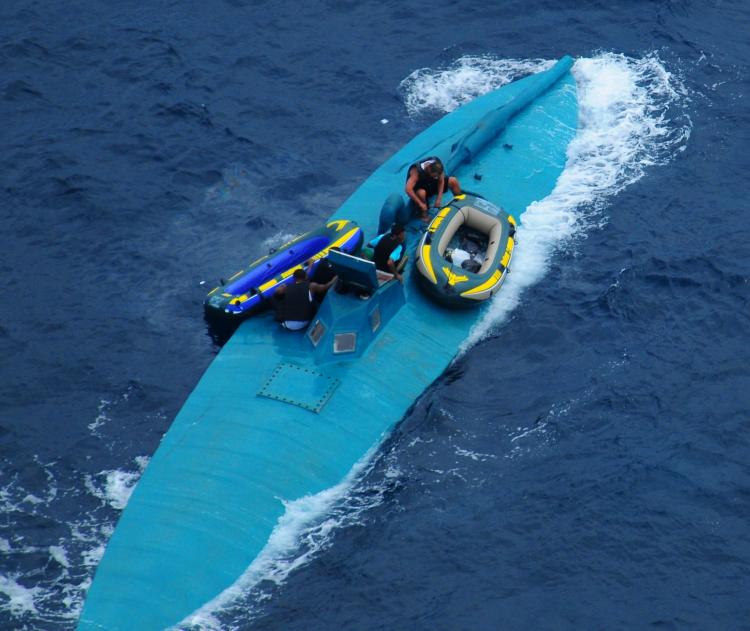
{"x":583,"y":464}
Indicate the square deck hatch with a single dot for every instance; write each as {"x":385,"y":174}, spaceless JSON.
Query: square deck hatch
{"x":303,"y":387}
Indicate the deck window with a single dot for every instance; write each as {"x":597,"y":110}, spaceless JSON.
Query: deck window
{"x":316,"y":332}
{"x":375,"y":319}
{"x":344,"y":342}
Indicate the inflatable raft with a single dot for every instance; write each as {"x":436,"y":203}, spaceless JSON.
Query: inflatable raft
{"x":245,"y":293}
{"x":279,"y":416}
{"x":463,"y":257}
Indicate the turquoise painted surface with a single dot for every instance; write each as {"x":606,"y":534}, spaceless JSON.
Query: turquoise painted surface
{"x":211,"y":495}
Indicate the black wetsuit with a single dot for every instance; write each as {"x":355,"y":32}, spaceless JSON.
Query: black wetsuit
{"x":387,"y":244}
{"x":322,"y":275}
{"x":296,"y":305}
{"x":424,"y":181}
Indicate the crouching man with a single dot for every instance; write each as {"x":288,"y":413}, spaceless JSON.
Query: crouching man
{"x":295,"y":303}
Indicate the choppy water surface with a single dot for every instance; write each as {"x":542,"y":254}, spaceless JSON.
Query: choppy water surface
{"x":601,"y":478}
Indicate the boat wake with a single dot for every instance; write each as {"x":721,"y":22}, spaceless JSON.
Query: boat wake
{"x":42,"y":497}
{"x":632,"y":116}
{"x":304,"y":530}
{"x":77,"y":544}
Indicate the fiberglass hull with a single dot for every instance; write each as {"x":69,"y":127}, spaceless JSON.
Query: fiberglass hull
{"x":212,"y":494}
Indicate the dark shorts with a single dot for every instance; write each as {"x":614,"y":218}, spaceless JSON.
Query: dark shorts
{"x":430,"y":186}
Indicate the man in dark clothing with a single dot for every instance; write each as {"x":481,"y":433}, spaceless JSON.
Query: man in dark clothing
{"x":426,"y":179}
{"x":323,"y":270}
{"x":295,"y":304}
{"x":389,"y":250}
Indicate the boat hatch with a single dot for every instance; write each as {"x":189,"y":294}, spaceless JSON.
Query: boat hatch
{"x":356,"y":272}
{"x":296,"y":385}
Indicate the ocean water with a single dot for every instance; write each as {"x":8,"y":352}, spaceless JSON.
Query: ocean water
{"x":600,"y":481}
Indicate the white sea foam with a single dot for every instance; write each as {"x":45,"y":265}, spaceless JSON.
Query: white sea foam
{"x":116,"y":486}
{"x":631,"y":117}
{"x":101,"y":417}
{"x":474,"y":455}
{"x":70,"y":562}
{"x":469,"y":77}
{"x":302,"y":531}
{"x":59,"y":554}
{"x":20,"y":599}
{"x":278,"y":239}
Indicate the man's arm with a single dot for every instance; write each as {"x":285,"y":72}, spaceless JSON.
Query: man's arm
{"x":392,"y":267}
{"x":317,"y":288}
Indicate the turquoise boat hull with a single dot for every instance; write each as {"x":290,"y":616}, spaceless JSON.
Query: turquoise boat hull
{"x":272,"y":421}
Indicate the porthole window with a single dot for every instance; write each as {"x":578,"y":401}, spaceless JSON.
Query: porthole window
{"x":316,"y":332}
{"x":344,"y":342}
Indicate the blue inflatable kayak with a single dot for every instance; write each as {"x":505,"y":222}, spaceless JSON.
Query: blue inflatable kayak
{"x":247,"y":291}
{"x":278,"y":415}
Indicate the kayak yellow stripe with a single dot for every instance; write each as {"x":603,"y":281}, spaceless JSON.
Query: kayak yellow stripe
{"x":287,"y":273}
{"x":341,"y":240}
{"x":337,"y":243}
{"x":339,"y":224}
{"x":290,"y":271}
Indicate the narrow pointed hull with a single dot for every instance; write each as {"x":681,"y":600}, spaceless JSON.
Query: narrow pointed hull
{"x":214,"y":490}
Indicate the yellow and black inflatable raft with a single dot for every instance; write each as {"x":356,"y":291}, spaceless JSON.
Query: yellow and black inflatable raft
{"x":463,"y":257}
